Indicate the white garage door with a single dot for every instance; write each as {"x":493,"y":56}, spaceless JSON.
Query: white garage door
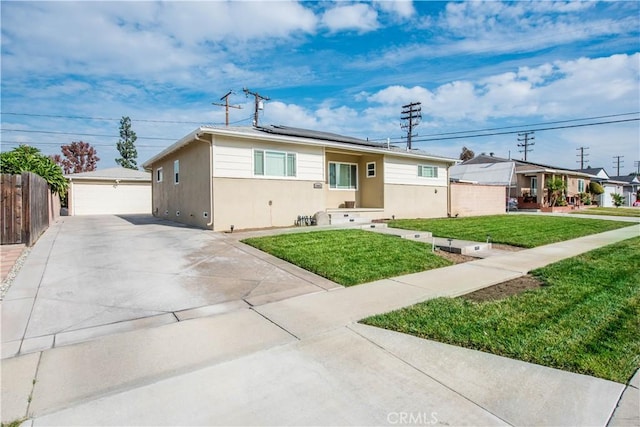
{"x":110,"y":199}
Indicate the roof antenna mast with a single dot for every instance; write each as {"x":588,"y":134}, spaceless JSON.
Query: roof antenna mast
{"x":259,"y":105}
{"x":226,"y":106}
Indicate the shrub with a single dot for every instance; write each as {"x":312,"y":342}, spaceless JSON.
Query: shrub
{"x":618,"y":199}
{"x":595,"y":188}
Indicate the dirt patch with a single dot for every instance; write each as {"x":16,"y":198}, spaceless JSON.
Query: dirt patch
{"x":504,"y":289}
{"x":503,"y":247}
{"x":454,"y":258}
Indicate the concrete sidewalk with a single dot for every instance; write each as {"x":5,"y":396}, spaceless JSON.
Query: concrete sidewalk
{"x":304,"y":361}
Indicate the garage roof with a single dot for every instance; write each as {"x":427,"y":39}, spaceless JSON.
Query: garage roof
{"x":111,"y":174}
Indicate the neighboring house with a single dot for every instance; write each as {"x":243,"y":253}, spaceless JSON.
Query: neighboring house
{"x":531,"y":178}
{"x":258,"y":177}
{"x":610,"y":185}
{"x":111,"y":191}
{"x":481,"y":189}
{"x":630,"y":188}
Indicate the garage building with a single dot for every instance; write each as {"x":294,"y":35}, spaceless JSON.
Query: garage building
{"x":113,"y":191}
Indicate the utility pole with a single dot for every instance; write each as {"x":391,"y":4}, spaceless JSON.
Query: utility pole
{"x":259,"y":105}
{"x":636,"y":163}
{"x":526,"y":142}
{"x":410,"y":117}
{"x":582,"y":161}
{"x":617,"y":163}
{"x":226,"y":107}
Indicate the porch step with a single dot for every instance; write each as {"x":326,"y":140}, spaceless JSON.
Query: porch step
{"x":346,"y":218}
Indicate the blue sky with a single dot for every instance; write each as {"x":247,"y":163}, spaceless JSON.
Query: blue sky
{"x":344,"y":67}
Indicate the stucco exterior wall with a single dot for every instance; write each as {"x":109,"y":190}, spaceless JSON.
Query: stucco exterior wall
{"x":261,"y":203}
{"x":188,"y":201}
{"x":335,"y":198}
{"x":372,"y":189}
{"x":476,"y":200}
{"x":412,"y":201}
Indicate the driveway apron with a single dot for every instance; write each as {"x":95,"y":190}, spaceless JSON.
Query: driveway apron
{"x":94,"y":275}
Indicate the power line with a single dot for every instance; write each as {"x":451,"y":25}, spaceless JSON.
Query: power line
{"x":520,"y":127}
{"x":56,"y":116}
{"x":83,"y":134}
{"x":528,"y":130}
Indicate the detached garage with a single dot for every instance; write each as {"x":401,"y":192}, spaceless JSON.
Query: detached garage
{"x":112,"y":191}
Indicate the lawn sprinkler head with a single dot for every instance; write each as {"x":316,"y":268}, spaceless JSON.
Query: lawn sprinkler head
{"x":232,"y":228}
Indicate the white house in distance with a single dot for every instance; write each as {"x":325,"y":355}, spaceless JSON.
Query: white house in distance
{"x":609,"y":184}
{"x":257,"y":177}
{"x":113,"y":191}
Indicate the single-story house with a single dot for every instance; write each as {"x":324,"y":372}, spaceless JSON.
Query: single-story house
{"x":531,"y":178}
{"x":256,"y":177}
{"x":481,"y":189}
{"x":630,"y":188}
{"x":609,"y":184}
{"x":112,"y":191}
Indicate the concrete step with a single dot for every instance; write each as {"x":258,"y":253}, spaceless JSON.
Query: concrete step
{"x":423,"y":236}
{"x":464,"y":247}
{"x":376,"y":225}
{"x":347,"y":218}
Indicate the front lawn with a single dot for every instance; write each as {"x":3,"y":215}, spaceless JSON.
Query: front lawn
{"x":526,"y":231}
{"x":584,"y":319}
{"x":632,"y":212}
{"x":350,"y":257}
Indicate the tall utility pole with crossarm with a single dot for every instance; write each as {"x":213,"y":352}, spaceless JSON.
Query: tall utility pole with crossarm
{"x":226,"y":106}
{"x":259,"y":105}
{"x":410,"y":117}
{"x":526,"y":142}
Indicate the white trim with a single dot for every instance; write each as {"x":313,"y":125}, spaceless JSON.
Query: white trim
{"x":329,"y":178}
{"x":176,"y":172}
{"x":374,"y":170}
{"x":264,"y":163}
{"x":433,"y":168}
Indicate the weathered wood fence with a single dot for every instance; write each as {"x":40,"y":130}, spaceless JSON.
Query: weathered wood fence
{"x":27,"y":208}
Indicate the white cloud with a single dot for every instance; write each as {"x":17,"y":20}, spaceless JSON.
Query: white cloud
{"x":356,"y":17}
{"x":401,"y":8}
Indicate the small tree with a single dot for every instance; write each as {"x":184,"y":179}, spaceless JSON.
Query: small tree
{"x":126,"y":145}
{"x":618,"y":199}
{"x":78,"y":157}
{"x":555,"y":188}
{"x":467,"y":154}
{"x":29,"y":159}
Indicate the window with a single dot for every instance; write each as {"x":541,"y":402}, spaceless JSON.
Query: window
{"x":534,"y":186}
{"x":159,"y":175}
{"x":343,"y":176}
{"x":274,"y":163}
{"x":581,"y":186}
{"x":176,"y":171}
{"x":427,"y":171}
{"x":371,"y":170}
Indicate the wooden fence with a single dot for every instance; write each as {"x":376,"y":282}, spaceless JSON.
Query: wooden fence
{"x":27,"y":208}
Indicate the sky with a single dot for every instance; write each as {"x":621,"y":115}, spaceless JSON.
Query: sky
{"x":71,"y":70}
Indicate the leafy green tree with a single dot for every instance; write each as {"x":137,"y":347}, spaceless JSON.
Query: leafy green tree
{"x":555,"y":187}
{"x":126,"y":145}
{"x":29,"y":159}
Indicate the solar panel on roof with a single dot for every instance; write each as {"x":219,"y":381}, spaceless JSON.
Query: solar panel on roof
{"x":326,"y":136}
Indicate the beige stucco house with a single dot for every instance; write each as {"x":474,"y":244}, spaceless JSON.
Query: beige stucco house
{"x":268,"y":176}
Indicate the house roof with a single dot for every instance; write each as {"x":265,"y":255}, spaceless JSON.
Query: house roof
{"x":290,"y":135}
{"x":525,"y":166}
{"x":485,"y":173}
{"x":111,"y":174}
{"x":599,"y":172}
{"x":628,"y":179}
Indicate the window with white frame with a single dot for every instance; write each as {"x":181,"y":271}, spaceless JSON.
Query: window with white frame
{"x":274,"y":163}
{"x":176,"y":171}
{"x":426,"y":171}
{"x":581,"y":186}
{"x":159,"y":175}
{"x":343,"y":176}
{"x":371,"y":170}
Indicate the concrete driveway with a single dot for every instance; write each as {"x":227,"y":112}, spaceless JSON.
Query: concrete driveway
{"x":96,"y":275}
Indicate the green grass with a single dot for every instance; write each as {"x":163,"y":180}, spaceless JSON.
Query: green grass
{"x":585,"y":319}
{"x":526,"y":231}
{"x":350,"y":257}
{"x":632,"y":212}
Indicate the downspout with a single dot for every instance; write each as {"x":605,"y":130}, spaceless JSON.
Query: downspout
{"x":448,"y":192}
{"x":197,"y":138}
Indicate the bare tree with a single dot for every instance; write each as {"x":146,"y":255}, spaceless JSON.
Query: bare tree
{"x":467,"y":154}
{"x":78,"y":157}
